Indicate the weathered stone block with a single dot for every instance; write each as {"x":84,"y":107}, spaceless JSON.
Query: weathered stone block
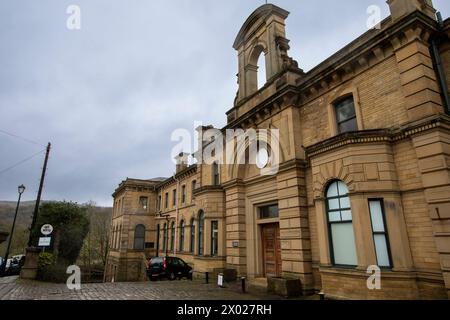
{"x":284,"y":287}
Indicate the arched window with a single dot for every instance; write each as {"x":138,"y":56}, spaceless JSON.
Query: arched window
{"x":158,"y":237}
{"x":139,"y":237}
{"x":165,"y":237}
{"x":201,"y":227}
{"x":172,"y":237}
{"x":216,"y":174}
{"x":262,"y":76}
{"x":192,"y":241}
{"x":340,"y":222}
{"x":181,"y":246}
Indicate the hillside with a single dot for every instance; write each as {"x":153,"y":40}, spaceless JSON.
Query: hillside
{"x":24,"y":217}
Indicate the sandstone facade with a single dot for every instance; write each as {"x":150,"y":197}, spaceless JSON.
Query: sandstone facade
{"x":389,"y":157}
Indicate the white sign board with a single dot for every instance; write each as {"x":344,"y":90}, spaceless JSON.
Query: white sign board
{"x":47,"y":229}
{"x":45,"y":241}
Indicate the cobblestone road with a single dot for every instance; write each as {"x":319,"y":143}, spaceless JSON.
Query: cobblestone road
{"x":16,"y":289}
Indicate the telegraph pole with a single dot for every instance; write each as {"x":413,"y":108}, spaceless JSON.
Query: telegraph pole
{"x":38,"y":199}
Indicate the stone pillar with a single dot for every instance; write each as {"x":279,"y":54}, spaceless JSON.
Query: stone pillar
{"x":401,"y":8}
{"x":433,"y":152}
{"x":30,"y":269}
{"x":294,"y":227}
{"x":235,"y":228}
{"x":417,"y":75}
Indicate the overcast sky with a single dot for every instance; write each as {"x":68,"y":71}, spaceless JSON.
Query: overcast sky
{"x":109,"y":96}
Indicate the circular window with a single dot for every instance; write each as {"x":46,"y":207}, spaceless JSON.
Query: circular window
{"x":262,"y":158}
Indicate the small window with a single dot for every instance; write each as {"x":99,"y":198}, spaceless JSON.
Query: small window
{"x":269,"y":212}
{"x":174,"y":197}
{"x":346,"y":115}
{"x":214,"y":238}
{"x":165,"y":230}
{"x":166,"y":200}
{"x":143,"y":203}
{"x":183,"y":194}
{"x":192,"y":242}
{"x":216,"y":174}
{"x":181,"y":246}
{"x":201,"y":227}
{"x":149,"y":245}
{"x":139,"y":237}
{"x":194,"y":186}
{"x":380,"y":236}
{"x":172,"y":237}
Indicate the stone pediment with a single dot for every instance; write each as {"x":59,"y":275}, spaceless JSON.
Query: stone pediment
{"x":254,"y":21}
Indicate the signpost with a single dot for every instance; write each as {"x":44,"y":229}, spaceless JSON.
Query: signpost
{"x":47,"y":229}
{"x":45,"y":241}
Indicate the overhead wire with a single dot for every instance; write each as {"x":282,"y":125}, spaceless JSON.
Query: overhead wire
{"x":21,"y":162}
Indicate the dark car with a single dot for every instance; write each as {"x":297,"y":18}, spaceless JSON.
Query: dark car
{"x":169,"y":267}
{"x":13,"y":268}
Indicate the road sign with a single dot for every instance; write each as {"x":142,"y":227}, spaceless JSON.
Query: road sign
{"x":47,"y":229}
{"x":45,"y":241}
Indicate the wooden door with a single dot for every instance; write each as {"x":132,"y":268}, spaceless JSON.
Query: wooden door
{"x":271,"y":250}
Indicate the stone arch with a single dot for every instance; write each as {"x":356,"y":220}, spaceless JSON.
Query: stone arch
{"x":254,"y":68}
{"x":329,"y":173}
{"x":237,"y":170}
{"x":261,"y":32}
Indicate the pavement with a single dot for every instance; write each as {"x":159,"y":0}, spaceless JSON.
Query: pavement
{"x":13,"y":288}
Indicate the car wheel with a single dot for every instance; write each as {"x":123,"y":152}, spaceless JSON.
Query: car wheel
{"x":171,"y":276}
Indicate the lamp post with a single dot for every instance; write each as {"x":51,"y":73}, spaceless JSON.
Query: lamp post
{"x":21,"y":190}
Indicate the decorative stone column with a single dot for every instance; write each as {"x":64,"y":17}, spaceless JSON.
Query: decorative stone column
{"x":235,"y":228}
{"x":433,"y":152}
{"x":294,"y":225}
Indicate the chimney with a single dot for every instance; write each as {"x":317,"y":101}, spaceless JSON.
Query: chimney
{"x":182,"y":161}
{"x":401,"y":8}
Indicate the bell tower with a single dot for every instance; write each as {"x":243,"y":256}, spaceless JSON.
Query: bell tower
{"x":262,"y":33}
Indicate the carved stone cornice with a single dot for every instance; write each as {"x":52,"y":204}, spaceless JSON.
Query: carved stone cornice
{"x":379,"y":135}
{"x":366,"y":51}
{"x":207,"y":189}
{"x":286,"y":96}
{"x":136,"y":185}
{"x":189,"y":171}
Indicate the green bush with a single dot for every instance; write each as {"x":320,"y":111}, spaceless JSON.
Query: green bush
{"x":49,"y":270}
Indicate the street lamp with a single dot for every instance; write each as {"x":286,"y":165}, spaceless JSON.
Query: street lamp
{"x":21,"y":190}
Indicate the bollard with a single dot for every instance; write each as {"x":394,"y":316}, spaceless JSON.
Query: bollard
{"x":243,"y":284}
{"x":207,"y":277}
{"x":322,"y":296}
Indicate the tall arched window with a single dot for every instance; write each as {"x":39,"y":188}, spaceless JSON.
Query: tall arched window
{"x":201,"y":233}
{"x":181,"y":246}
{"x":216,"y":174}
{"x":262,"y":77}
{"x":165,"y":238}
{"x":158,"y":237}
{"x":340,"y":222}
{"x":192,"y":241}
{"x":172,"y":237}
{"x":139,"y":237}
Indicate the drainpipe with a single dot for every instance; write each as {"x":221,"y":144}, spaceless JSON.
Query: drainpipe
{"x":438,"y":63}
